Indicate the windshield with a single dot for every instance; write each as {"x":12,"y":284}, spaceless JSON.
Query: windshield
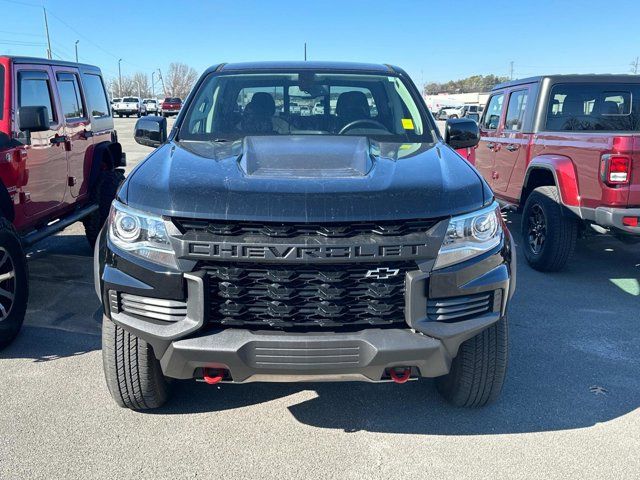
{"x":229,"y":107}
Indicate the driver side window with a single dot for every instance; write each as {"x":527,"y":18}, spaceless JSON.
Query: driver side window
{"x":491,"y":118}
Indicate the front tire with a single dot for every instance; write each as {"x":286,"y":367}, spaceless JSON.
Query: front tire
{"x":132,"y":372}
{"x":478,"y":371}
{"x":14,"y":283}
{"x":549,"y":235}
{"x":103,"y":194}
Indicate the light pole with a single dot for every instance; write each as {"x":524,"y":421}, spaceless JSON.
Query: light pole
{"x":153,"y":83}
{"x":77,"y":41}
{"x":119,"y":79}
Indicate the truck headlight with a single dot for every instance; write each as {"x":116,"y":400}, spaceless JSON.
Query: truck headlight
{"x":470,"y":235}
{"x":141,"y":234}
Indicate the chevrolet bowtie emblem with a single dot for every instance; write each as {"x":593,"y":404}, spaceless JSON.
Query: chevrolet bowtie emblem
{"x":382,"y":273}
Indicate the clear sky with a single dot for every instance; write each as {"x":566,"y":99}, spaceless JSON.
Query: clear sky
{"x":433,"y":40}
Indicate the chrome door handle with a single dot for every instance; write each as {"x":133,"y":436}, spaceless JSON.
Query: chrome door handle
{"x":491,"y":146}
{"x":512,"y":147}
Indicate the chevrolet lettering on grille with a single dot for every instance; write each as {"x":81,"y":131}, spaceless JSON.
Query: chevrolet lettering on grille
{"x":305,"y":253}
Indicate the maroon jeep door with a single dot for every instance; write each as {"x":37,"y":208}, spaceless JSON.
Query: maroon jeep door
{"x":46,"y":158}
{"x":489,"y":124}
{"x":510,"y":142}
{"x":77,"y":127}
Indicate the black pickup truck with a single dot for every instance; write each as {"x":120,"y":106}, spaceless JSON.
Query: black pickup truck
{"x":263,"y":243}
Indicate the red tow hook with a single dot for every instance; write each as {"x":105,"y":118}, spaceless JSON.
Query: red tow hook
{"x":213,"y":375}
{"x":401,"y":377}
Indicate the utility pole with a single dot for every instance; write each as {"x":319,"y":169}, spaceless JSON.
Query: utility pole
{"x":77,"y":41}
{"x":305,"y":51}
{"x":511,"y":70}
{"x":46,"y":29}
{"x":164,"y":90}
{"x":119,"y":79}
{"x":635,"y":65}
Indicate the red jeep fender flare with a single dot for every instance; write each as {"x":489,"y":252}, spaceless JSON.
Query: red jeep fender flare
{"x":563,"y":171}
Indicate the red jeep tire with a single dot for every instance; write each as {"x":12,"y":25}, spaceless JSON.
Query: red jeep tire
{"x":103,"y":194}
{"x":549,"y":235}
{"x":14,"y":283}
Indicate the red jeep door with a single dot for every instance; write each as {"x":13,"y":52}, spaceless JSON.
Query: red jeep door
{"x":77,"y":126}
{"x":485,"y":153}
{"x":46,"y":158}
{"x":510,"y":141}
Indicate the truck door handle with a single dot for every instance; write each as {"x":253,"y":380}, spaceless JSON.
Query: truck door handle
{"x":87,"y":133}
{"x":58,"y":139}
{"x":491,"y":146}
{"x":512,"y":147}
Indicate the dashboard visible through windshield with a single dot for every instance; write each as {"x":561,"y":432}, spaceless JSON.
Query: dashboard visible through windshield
{"x":231,"y":106}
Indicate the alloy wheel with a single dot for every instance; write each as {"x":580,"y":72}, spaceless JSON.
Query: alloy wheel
{"x":536,"y":229}
{"x":7,"y":283}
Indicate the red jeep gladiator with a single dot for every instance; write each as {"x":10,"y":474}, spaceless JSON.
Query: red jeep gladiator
{"x":565,"y":150}
{"x":59,"y":159}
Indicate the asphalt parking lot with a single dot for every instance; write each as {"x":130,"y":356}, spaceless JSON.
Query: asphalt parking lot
{"x":570,"y":407}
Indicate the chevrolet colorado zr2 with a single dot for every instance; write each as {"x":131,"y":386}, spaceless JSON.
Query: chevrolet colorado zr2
{"x":260,"y":244}
{"x":59,"y":155}
{"x":565,"y":151}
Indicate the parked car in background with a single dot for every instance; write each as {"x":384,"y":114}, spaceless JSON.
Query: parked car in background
{"x":240,"y":251}
{"x":565,"y":150}
{"x":449,"y":112}
{"x":60,"y":158}
{"x":171,"y":106}
{"x":151,"y":106}
{"x":130,"y":106}
{"x":471,"y":110}
{"x":113,"y":105}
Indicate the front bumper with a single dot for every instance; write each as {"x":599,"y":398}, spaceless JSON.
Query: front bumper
{"x":612,"y":218}
{"x":189,"y":345}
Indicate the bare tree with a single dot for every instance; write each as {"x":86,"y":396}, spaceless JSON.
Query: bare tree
{"x":136,"y":85}
{"x":179,"y":80}
{"x":141,"y":84}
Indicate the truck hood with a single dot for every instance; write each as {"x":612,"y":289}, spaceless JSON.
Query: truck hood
{"x":305,"y":179}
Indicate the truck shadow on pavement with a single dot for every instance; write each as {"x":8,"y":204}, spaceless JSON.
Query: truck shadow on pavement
{"x":574,"y":362}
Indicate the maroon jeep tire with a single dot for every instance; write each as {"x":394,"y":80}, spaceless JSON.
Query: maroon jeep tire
{"x":14,"y":283}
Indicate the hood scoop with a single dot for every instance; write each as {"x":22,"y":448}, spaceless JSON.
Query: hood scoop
{"x":306,"y":156}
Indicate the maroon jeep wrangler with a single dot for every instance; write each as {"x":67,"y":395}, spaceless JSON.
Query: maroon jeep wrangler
{"x":565,"y":150}
{"x":59,"y":159}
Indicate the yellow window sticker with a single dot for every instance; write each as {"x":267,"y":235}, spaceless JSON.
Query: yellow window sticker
{"x":407,"y":124}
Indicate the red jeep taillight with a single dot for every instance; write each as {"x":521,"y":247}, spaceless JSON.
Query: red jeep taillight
{"x":615,"y":169}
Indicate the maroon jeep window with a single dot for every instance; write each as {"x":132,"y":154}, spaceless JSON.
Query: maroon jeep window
{"x":34,"y":90}
{"x":603,"y":107}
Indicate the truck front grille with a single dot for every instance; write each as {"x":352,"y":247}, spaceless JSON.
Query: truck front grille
{"x":337,"y":296}
{"x":293,"y":230}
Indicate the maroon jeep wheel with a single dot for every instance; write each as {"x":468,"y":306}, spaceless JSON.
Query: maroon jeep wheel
{"x":14,"y":286}
{"x":549,"y":233}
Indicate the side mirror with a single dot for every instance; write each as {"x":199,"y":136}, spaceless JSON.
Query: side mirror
{"x":33,"y":119}
{"x":461,"y":133}
{"x":151,"y":131}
